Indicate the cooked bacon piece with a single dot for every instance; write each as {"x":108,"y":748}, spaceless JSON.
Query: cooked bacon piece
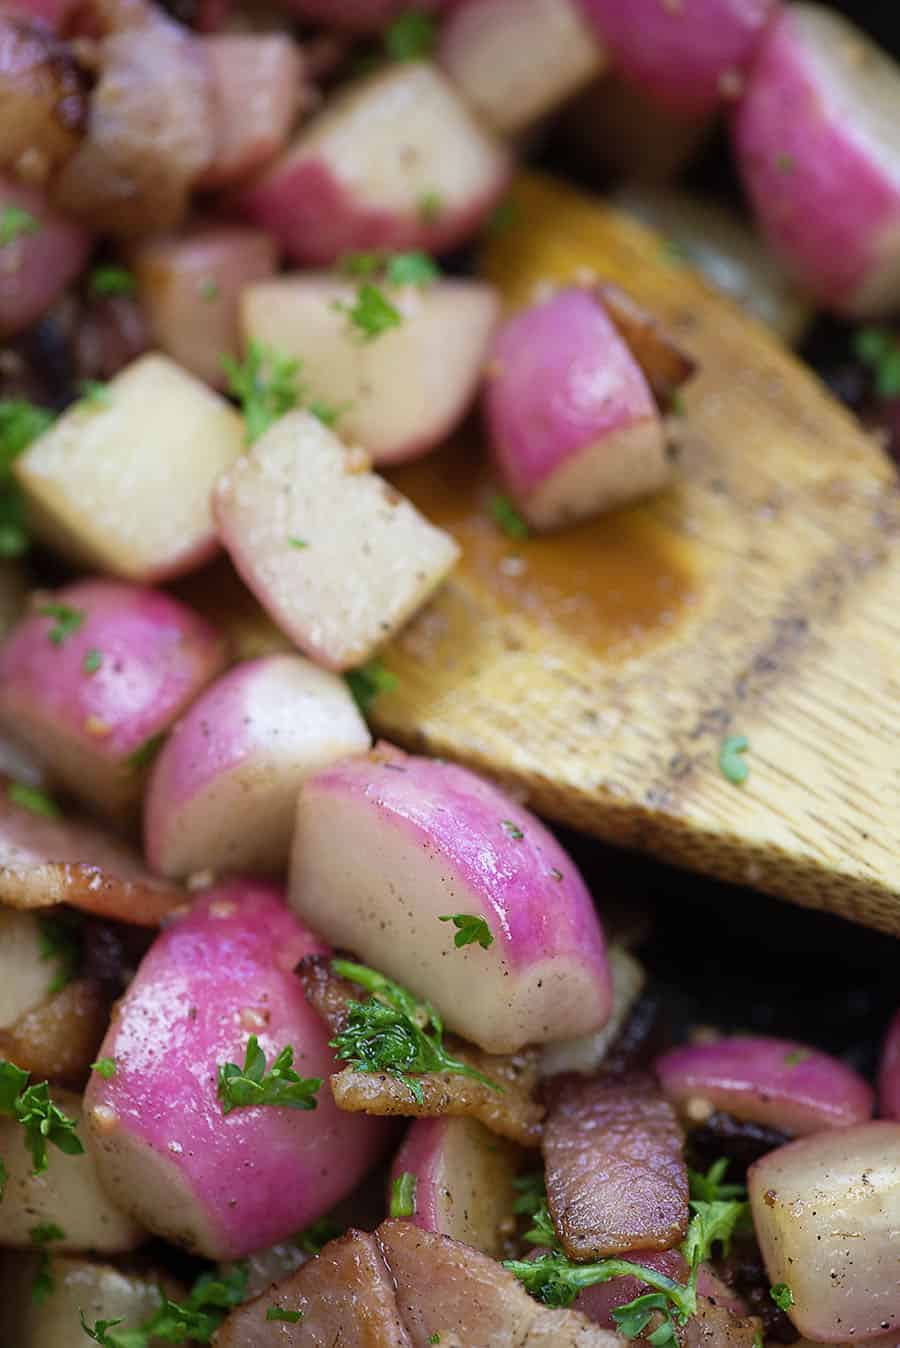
{"x":514,"y":1113}
{"x":714,"y":1326}
{"x":43,"y":101}
{"x":48,"y":861}
{"x":616,"y":1176}
{"x":58,"y":1040}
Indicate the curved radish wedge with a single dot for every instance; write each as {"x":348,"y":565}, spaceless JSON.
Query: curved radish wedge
{"x":616,"y":1176}
{"x":223,"y":793}
{"x":95,"y":675}
{"x":775,"y":1082}
{"x":76,"y":1285}
{"x":585,"y":1055}
{"x":47,"y":253}
{"x":463,"y":1180}
{"x":889,"y":1074}
{"x":827,"y":1212}
{"x":572,"y":422}
{"x":516,"y":60}
{"x":395,"y":161}
{"x":430,"y":840}
{"x":221,"y":1184}
{"x":399,"y":396}
{"x":688,"y":56}
{"x":815,"y":139}
{"x":45,"y":861}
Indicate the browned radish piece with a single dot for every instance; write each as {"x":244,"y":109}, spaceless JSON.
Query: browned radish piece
{"x":41,"y":252}
{"x":53,"y":1320}
{"x":67,"y":1193}
{"x":462,"y":1178}
{"x":339,"y":559}
{"x":516,"y":60}
{"x":398,"y":396}
{"x":827,"y":1211}
{"x":394,"y":161}
{"x":150,"y":132}
{"x":223,"y":792}
{"x":258,"y":87}
{"x":616,"y":1176}
{"x":664,"y":364}
{"x":586,"y":1054}
{"x":42,"y":100}
{"x":513,"y":1112}
{"x":122,"y":482}
{"x":815,"y":139}
{"x":189,"y":287}
{"x":46,"y":861}
{"x":572,"y":421}
{"x":58,"y":1040}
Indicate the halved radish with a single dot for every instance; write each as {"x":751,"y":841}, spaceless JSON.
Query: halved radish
{"x":395,"y":160}
{"x":223,"y":792}
{"x":93,"y":677}
{"x":815,"y":140}
{"x":889,"y":1073}
{"x":585,"y":1054}
{"x":43,"y":254}
{"x":221,"y":1184}
{"x":43,"y":100}
{"x":573,"y":424}
{"x":397,"y":396}
{"x":431,"y":839}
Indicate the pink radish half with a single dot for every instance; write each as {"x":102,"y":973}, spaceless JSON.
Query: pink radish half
{"x":463,"y":1179}
{"x":221,"y":1185}
{"x":827,"y":1213}
{"x":95,"y":674}
{"x":394,"y":161}
{"x":515,"y":60}
{"x":35,"y":266}
{"x":816,"y":144}
{"x":889,"y":1074}
{"x":223,"y":792}
{"x":398,"y":396}
{"x":431,"y":839}
{"x":687,"y":55}
{"x":573,"y":425}
{"x":775,"y":1082}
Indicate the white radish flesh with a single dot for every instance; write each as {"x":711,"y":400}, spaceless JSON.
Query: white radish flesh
{"x":585,"y":1055}
{"x":25,"y":974}
{"x":78,"y":1286}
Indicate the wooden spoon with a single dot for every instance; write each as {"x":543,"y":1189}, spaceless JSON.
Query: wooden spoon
{"x":599,"y":671}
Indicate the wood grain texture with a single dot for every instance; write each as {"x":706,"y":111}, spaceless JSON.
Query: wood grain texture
{"x":785,"y":517}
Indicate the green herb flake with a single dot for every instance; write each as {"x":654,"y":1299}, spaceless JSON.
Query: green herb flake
{"x":43,"y":1283}
{"x":504,"y":217}
{"x":430,"y":207}
{"x":209,"y":289}
{"x":21,"y":422}
{"x":327,"y":413}
{"x":299,"y":543}
{"x":434,"y":1338}
{"x":367,"y":682}
{"x":100,"y":1333}
{"x":796,"y":1056}
{"x":43,"y":1123}
{"x":195,"y":1320}
{"x":30,"y":798}
{"x":315,"y":1237}
{"x":411,"y":269}
{"x":279,"y":1313}
{"x":395,"y":1033}
{"x":59,"y":939}
{"x":879,"y":349}
{"x":16,"y":224}
{"x":411,"y":37}
{"x":66,"y":621}
{"x":105,"y":1068}
{"x":782,"y":1295}
{"x":362,"y":266}
{"x":710,"y":1188}
{"x":731,"y":761}
{"x":111,"y":280}
{"x":248,"y":1086}
{"x":266,"y":385}
{"x":469,"y":930}
{"x":372,"y":313}
{"x":676,"y":403}
{"x":512,"y":830}
{"x":145,"y":753}
{"x":506,"y":517}
{"x":92,"y":661}
{"x":784,"y":162}
{"x":95,"y":394}
{"x":403,"y":1195}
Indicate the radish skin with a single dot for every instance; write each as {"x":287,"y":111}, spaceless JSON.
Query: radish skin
{"x":221,"y":1185}
{"x":401,"y":395}
{"x":431,"y":838}
{"x":572,"y":422}
{"x":37,"y":266}
{"x":826,"y":1210}
{"x":87,"y":704}
{"x":815,"y":142}
{"x":889,"y":1073}
{"x":223,"y":792}
{"x":775,"y":1082}
{"x":394,"y":161}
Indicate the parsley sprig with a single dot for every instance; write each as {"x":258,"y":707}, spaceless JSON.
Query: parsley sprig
{"x":193,"y":1321}
{"x":371,"y":314}
{"x":403,"y":1195}
{"x":20,"y":423}
{"x":16,"y":224}
{"x":411,"y":37}
{"x":469,"y":930}
{"x":66,"y":621}
{"x":33,"y":799}
{"x":43,"y":1122}
{"x":266,"y":384}
{"x":879,"y":349}
{"x":244,"y":1087}
{"x":59,"y":939}
{"x":368,"y":681}
{"x":42,"y":1235}
{"x":395,"y":1033}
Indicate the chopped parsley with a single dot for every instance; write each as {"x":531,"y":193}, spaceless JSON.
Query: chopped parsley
{"x":395,"y":1033}
{"x":709,"y":1188}
{"x":279,"y":1313}
{"x":43,"y":1235}
{"x":67,"y":621}
{"x":371,"y":314}
{"x":209,"y":289}
{"x":368,"y":681}
{"x":59,"y":939}
{"x":30,"y":798}
{"x":430,"y":207}
{"x":469,"y":929}
{"x":434,"y":1338}
{"x":95,"y":394}
{"x":316,"y":1236}
{"x":298,"y":543}
{"x":411,"y":37}
{"x":42,"y":1121}
{"x":506,"y":517}
{"x":266,"y":385}
{"x":731,"y":759}
{"x":92,"y":661}
{"x":512,"y":830}
{"x":196,"y":1320}
{"x":784,"y":162}
{"x":403,"y":1195}
{"x":326,"y":412}
{"x":144,"y":754}
{"x":20,"y":423}
{"x":15,"y":224}
{"x":782,"y":1295}
{"x":796,"y":1056}
{"x":411,"y":269}
{"x":504,"y":217}
{"x":111,"y":280}
{"x":250,"y":1085}
{"x":879,"y":349}
{"x":105,"y":1068}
